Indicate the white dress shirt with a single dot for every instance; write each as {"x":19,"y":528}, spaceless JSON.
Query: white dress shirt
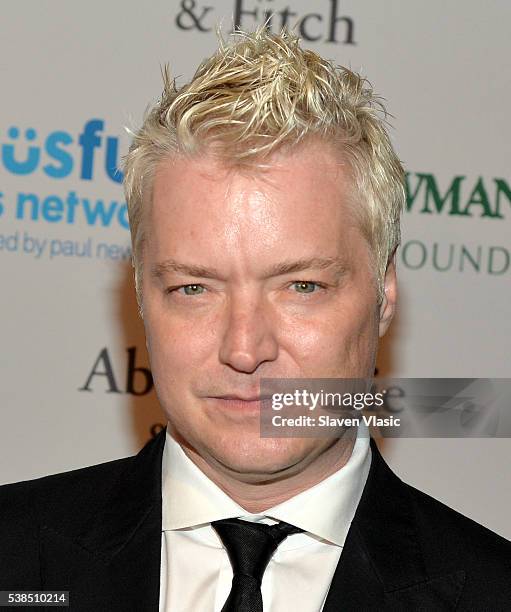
{"x":196,"y":573}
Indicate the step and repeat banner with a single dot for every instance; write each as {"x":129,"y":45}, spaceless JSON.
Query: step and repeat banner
{"x":75,"y":383}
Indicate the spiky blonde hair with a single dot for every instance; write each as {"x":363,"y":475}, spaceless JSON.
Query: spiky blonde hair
{"x":260,"y":93}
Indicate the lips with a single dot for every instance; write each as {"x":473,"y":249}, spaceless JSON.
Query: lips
{"x":239,"y":403}
{"x":242,"y":398}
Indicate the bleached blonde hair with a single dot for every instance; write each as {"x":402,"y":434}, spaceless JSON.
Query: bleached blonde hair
{"x":260,"y":93}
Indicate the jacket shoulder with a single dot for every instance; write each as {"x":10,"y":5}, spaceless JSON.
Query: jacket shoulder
{"x":61,"y":501}
{"x":62,"y":509}
{"x":51,"y":498}
{"x":452,"y":527}
{"x":451,"y":540}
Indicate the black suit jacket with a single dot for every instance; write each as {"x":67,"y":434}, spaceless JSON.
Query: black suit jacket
{"x":96,"y":532}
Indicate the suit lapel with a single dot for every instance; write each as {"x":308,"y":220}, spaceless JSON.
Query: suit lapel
{"x":382,"y":566}
{"x":114,"y":562}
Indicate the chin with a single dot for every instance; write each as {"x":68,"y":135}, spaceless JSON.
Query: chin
{"x":268,"y":456}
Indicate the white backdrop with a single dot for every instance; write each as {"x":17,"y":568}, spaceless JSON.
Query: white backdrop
{"x":73,"y":74}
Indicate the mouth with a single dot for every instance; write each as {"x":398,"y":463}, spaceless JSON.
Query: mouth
{"x":242,"y":398}
{"x":239,"y":403}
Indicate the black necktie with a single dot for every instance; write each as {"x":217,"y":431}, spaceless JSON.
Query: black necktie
{"x":250,"y":547}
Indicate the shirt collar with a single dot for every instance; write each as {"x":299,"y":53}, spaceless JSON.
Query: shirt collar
{"x":191,"y":499}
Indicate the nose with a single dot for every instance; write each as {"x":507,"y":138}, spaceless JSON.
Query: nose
{"x":249,"y":338}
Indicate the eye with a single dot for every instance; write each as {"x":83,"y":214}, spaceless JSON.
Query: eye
{"x":305,"y":286}
{"x":193,"y":289}
{"x":187,"y":289}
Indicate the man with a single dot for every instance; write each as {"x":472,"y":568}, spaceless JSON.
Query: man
{"x":264,"y":201}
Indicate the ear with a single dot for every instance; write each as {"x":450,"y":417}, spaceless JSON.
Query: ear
{"x":388,"y":304}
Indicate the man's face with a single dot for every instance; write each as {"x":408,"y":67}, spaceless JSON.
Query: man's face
{"x":250,"y":275}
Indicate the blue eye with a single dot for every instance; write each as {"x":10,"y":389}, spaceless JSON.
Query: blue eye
{"x":305,"y":286}
{"x":192,"y":289}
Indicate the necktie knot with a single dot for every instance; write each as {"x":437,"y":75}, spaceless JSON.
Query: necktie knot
{"x":250,"y":547}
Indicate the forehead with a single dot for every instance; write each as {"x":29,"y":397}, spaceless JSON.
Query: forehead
{"x":297,"y":201}
{"x":306,"y":164}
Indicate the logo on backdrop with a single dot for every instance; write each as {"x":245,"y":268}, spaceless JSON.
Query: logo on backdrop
{"x":462,"y":197}
{"x":136,"y":380}
{"x":329,"y":24}
{"x":127,"y":377}
{"x":91,"y":154}
{"x":60,"y":155}
{"x":60,"y":160}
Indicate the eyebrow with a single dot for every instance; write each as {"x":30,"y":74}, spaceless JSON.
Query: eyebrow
{"x":171,"y":265}
{"x":280,"y":269}
{"x":313,"y":263}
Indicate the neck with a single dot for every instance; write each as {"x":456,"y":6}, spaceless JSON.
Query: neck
{"x":256,"y":494}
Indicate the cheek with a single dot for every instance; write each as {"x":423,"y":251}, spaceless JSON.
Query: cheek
{"x":360,"y":349}
{"x":177,"y":347}
{"x":341,"y":341}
